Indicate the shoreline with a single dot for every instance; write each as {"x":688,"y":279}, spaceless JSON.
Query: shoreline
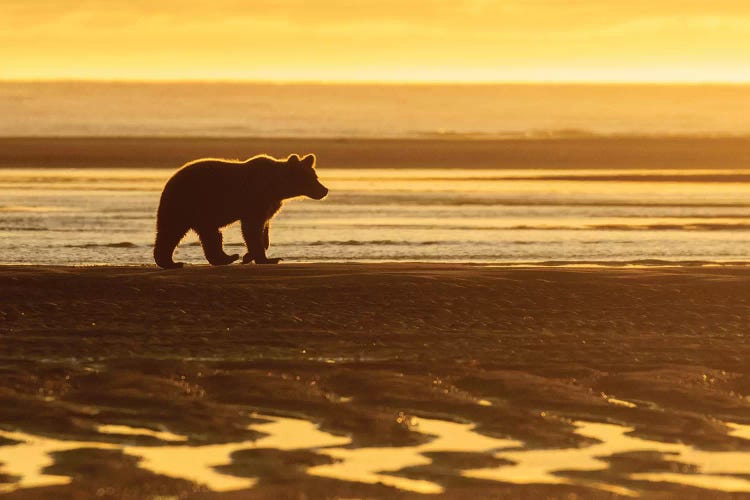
{"x":567,"y":264}
{"x":568,"y":153}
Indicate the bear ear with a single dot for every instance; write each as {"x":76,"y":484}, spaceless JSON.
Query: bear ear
{"x":308,"y":161}
{"x":293,"y":158}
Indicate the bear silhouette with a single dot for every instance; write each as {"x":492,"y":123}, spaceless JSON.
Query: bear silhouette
{"x":208,"y":194}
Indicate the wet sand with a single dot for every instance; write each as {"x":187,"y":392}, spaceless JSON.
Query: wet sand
{"x":534,"y":360}
{"x":457,"y":152}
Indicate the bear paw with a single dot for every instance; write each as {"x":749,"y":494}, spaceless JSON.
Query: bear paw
{"x":268,"y":261}
{"x":172,"y":265}
{"x":223,"y":261}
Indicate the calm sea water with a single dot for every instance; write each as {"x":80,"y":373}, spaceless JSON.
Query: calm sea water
{"x":267,"y":110}
{"x":89,"y":216}
{"x":107,"y":216}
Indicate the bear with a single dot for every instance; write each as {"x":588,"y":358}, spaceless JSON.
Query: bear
{"x":208,"y":194}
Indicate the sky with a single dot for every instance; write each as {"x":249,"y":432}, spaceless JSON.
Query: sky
{"x":377,"y":40}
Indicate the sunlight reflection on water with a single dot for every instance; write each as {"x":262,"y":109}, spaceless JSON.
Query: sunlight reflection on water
{"x":89,"y":216}
{"x":719,"y":470}
{"x":376,"y":465}
{"x":28,"y":459}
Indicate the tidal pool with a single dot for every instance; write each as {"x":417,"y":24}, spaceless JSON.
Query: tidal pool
{"x":26,"y":461}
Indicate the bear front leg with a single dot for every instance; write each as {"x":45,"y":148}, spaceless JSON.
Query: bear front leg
{"x":255,"y":234}
{"x":213,"y":247}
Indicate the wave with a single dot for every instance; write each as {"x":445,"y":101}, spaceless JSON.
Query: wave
{"x":29,"y":208}
{"x":528,"y":227}
{"x":728,"y":177}
{"x":426,"y":200}
{"x":634,"y":227}
{"x":122,"y":244}
{"x":570,"y":133}
{"x":22,"y":228}
{"x":673,"y":227}
{"x":352,"y":243}
{"x":493,"y":261}
{"x":173,"y":131}
{"x":375,"y":243}
{"x":632,"y":263}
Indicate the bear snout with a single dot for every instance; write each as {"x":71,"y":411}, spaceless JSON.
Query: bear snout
{"x":319,"y":192}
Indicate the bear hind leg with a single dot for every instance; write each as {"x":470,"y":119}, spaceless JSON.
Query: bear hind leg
{"x":211,"y":240}
{"x":166,"y":242}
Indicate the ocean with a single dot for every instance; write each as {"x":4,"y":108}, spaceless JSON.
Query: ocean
{"x":356,"y":111}
{"x":608,"y":216}
{"x":106,"y":216}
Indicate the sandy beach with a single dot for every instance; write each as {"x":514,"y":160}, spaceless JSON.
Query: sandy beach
{"x":538,"y":357}
{"x":435,"y":152}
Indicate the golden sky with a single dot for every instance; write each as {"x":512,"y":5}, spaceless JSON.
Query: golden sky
{"x":377,"y":40}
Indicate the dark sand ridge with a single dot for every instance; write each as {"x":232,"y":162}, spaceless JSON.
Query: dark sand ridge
{"x":350,"y":346}
{"x":614,"y":152}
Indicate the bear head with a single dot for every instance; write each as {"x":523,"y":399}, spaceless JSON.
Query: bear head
{"x":301,"y":178}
